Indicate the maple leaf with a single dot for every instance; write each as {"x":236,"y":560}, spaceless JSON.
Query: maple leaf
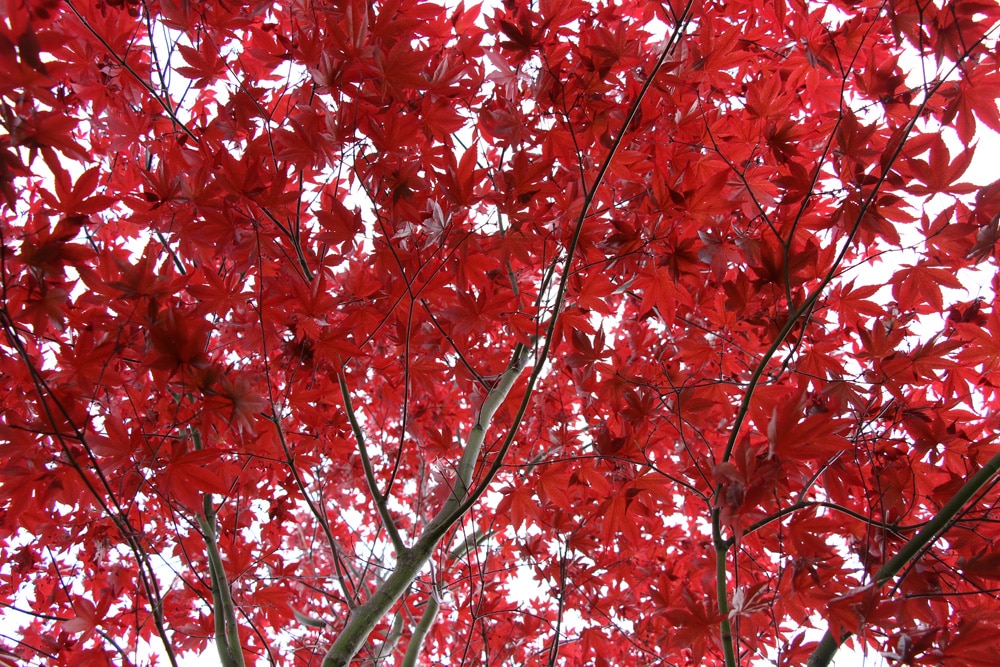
{"x":696,"y":624}
{"x":793,"y":435}
{"x":939,"y":174}
{"x":179,"y":341}
{"x":922,"y":283}
{"x":45,"y":130}
{"x":587,"y":352}
{"x":275,"y":600}
{"x":78,"y":199}
{"x":194,"y":474}
{"x":239,"y":401}
{"x":986,"y":241}
{"x":88,"y":615}
{"x":205,"y":63}
{"x":970,"y":104}
{"x":49,"y":251}
{"x":848,"y":612}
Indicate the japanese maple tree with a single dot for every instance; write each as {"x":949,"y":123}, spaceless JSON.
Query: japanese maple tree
{"x":531,"y":333}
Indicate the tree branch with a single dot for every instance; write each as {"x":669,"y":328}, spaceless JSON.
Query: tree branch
{"x":365,"y":617}
{"x":227,"y":635}
{"x":424,"y":626}
{"x":366,"y":463}
{"x":722,"y":589}
{"x":824,"y":652}
{"x":477,"y":436}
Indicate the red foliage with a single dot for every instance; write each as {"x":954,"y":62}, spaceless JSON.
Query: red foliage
{"x":733,"y":243}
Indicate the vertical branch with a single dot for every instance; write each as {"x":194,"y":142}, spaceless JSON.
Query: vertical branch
{"x":420,"y":632}
{"x":561,"y":611}
{"x":801,"y":314}
{"x":722,"y":589}
{"x":227,"y":636}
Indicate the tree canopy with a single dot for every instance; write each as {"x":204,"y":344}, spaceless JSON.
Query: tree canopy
{"x":525,"y":333}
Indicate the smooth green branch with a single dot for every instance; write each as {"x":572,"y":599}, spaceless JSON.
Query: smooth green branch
{"x":420,"y":632}
{"x":365,"y":617}
{"x":477,"y":436}
{"x":934,"y":528}
{"x":227,"y":635}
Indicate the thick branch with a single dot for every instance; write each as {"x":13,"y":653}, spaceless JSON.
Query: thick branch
{"x":828,"y":646}
{"x":477,"y":436}
{"x":227,"y":636}
{"x":365,"y":617}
